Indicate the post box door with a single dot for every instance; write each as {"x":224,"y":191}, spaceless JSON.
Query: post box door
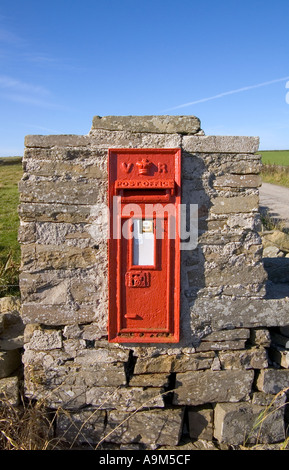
{"x":144,"y":261}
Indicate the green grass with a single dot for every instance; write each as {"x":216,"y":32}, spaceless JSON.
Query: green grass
{"x":10,"y":174}
{"x":275,"y":175}
{"x":275,"y":167}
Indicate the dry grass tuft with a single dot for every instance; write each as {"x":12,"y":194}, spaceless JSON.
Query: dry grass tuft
{"x":25,"y":427}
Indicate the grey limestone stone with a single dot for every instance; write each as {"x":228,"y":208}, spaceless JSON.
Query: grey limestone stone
{"x":104,"y":139}
{"x":240,"y":313}
{"x":238,"y":424}
{"x":196,"y":388}
{"x":253,"y":358}
{"x":48,"y":141}
{"x":10,"y":304}
{"x":236,"y":204}
{"x":9,"y":390}
{"x":151,"y":427}
{"x":62,"y":190}
{"x":221,"y":144}
{"x":102,"y":355}
{"x":273,"y":380}
{"x":149,"y":380}
{"x":84,"y":427}
{"x":45,"y":340}
{"x":149,"y":124}
{"x":125,"y":398}
{"x":64,"y":314}
{"x":201,"y":420}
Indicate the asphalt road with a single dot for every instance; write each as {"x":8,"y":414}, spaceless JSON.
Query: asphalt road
{"x":276,"y":200}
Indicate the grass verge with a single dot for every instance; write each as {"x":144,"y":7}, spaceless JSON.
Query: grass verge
{"x":10,"y":174}
{"x":275,"y":174}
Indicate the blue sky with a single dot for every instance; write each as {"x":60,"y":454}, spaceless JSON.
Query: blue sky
{"x":62,"y":62}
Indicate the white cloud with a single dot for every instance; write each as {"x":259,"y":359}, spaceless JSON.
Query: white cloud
{"x":22,"y":92}
{"x":19,"y":86}
{"x":226,"y":93}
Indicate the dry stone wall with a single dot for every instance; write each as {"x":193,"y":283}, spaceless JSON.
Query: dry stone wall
{"x":212,"y":384}
{"x":11,"y":344}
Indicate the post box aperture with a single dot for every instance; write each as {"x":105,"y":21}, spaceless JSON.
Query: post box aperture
{"x":144,"y":245}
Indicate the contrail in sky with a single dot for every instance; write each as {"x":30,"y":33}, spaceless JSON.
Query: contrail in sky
{"x":232,"y":92}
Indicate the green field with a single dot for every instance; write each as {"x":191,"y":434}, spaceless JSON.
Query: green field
{"x":10,"y":174}
{"x":275,"y":167}
{"x":275,"y":157}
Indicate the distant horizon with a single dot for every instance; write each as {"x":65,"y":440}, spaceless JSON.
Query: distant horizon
{"x":259,"y":150}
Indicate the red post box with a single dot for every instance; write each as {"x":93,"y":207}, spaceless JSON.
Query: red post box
{"x":144,"y":245}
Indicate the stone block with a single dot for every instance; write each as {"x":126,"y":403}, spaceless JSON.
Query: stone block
{"x":149,"y":380}
{"x":9,"y":304}
{"x":235,"y":164}
{"x":9,"y":390}
{"x":83,"y":164}
{"x":125,"y":398}
{"x":85,"y":427}
{"x":224,"y":339}
{"x":149,"y":124}
{"x":45,"y":212}
{"x":9,"y":362}
{"x":221,"y":144}
{"x":102,"y":355}
{"x":235,"y":204}
{"x":260,"y":337}
{"x":104,"y":139}
{"x":104,"y":375}
{"x":57,"y":287}
{"x":62,"y":154}
{"x":234,"y":334}
{"x":237,"y":181}
{"x":237,"y":424}
{"x":43,"y":257}
{"x":220,"y":345}
{"x":197,"y":388}
{"x":239,"y":313}
{"x":254,"y":358}
{"x":196,"y":361}
{"x":48,"y":233}
{"x":58,"y":384}
{"x":45,"y":340}
{"x":48,"y":141}
{"x":151,"y":427}
{"x":151,"y":365}
{"x":200,"y":421}
{"x":279,"y":239}
{"x":26,"y":233}
{"x":229,"y":275}
{"x":60,"y":314}
{"x":62,"y":190}
{"x":273,"y":380}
